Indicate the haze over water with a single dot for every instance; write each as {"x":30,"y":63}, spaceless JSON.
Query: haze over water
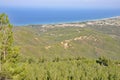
{"x":50,"y":16}
{"x":23,"y":12}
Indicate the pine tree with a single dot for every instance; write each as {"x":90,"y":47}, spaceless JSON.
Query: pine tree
{"x":6,"y":40}
{"x":6,"y":36}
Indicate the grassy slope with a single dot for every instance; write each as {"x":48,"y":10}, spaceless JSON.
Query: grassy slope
{"x":90,"y":42}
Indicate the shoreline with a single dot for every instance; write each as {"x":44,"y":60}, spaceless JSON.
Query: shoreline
{"x":70,"y":22}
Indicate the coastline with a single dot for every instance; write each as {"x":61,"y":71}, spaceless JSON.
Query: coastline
{"x":90,"y":20}
{"x":70,"y":22}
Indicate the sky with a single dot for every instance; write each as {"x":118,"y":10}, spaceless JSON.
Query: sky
{"x":94,"y":4}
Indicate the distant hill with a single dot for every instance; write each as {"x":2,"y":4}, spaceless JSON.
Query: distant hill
{"x":90,"y":39}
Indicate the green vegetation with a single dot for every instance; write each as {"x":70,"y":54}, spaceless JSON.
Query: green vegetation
{"x":57,"y":53}
{"x":69,"y":69}
{"x":8,"y":52}
{"x":66,"y":41}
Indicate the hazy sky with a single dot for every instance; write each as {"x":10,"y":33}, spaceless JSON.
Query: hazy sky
{"x":94,"y":4}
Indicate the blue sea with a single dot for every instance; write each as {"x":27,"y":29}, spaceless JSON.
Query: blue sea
{"x":52,"y":16}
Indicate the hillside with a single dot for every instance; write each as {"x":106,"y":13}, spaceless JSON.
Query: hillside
{"x":59,"y":52}
{"x":90,"y":39}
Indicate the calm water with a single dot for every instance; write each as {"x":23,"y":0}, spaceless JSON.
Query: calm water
{"x":49,"y":16}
